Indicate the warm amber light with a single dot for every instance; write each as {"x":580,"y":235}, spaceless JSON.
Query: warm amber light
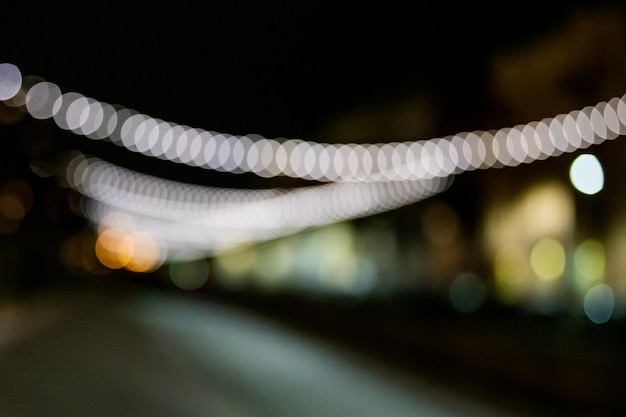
{"x":144,"y":253}
{"x":114,"y":248}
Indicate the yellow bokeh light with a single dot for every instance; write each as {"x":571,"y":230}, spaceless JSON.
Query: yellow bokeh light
{"x":510,"y":266}
{"x":589,"y":263}
{"x":137,"y":252}
{"x":144,"y":253}
{"x":545,"y":209}
{"x":547,"y":259}
{"x":114,"y":248}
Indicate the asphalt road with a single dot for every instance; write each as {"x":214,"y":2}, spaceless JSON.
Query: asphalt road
{"x":150,"y":353}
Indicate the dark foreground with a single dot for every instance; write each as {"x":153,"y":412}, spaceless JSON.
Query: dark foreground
{"x":150,"y":352}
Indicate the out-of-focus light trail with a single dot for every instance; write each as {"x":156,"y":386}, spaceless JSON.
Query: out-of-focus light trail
{"x":190,"y":221}
{"x":318,"y":161}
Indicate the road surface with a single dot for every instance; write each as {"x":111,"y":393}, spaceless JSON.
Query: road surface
{"x":158,"y":354}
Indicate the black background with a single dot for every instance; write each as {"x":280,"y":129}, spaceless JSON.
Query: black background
{"x":278,"y":69}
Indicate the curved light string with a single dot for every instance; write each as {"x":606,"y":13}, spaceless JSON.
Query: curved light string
{"x":327,"y":162}
{"x":187,"y":218}
{"x":334,"y":162}
{"x":361,"y":179}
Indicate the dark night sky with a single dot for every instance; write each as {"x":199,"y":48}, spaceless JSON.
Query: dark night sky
{"x":279,"y":69}
{"x":273,"y":68}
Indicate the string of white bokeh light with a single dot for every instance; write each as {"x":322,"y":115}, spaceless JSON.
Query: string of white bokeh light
{"x":325,"y":162}
{"x":362,"y":179}
{"x":200,"y":220}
